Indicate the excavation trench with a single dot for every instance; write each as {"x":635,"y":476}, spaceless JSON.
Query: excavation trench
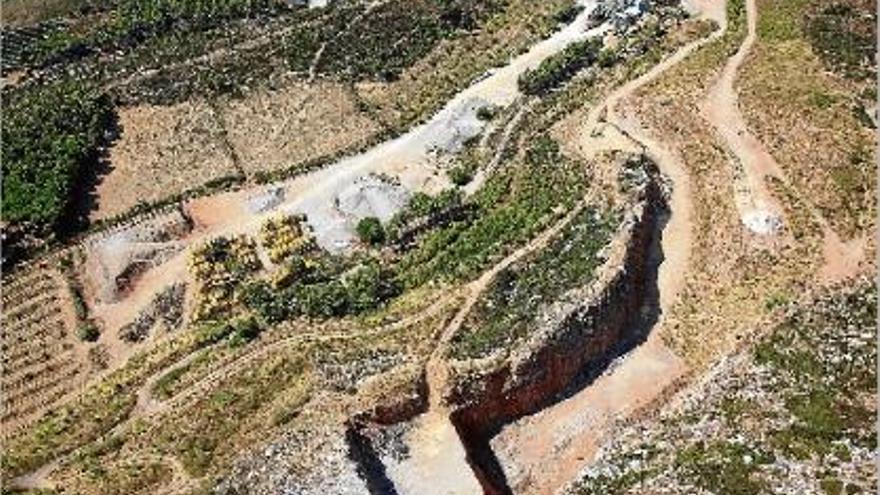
{"x":614,"y":315}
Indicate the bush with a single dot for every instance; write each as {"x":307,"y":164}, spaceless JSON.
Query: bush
{"x":370,"y":231}
{"x":88,"y":332}
{"x":323,"y":300}
{"x":460,"y":175}
{"x":505,"y":211}
{"x":50,"y":134}
{"x":269,"y":305}
{"x":244,"y":330}
{"x":487,"y":112}
{"x":397,"y":33}
{"x":559,"y":68}
{"x":369,"y":286}
{"x":568,"y":14}
{"x":152,"y":15}
{"x":607,"y":58}
{"x":844,"y":37}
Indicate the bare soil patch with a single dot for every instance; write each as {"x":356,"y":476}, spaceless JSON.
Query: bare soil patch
{"x":162,"y":151}
{"x":274,"y":129}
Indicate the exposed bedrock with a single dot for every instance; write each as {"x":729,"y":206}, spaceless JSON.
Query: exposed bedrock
{"x":589,"y":328}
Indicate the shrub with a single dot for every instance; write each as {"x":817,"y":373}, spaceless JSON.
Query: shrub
{"x":568,"y":14}
{"x":369,"y":285}
{"x":607,"y":58}
{"x":153,"y":15}
{"x":271,"y":306}
{"x":509,"y":208}
{"x":324,"y":299}
{"x":50,"y":134}
{"x":844,"y":37}
{"x":487,"y":112}
{"x":244,"y":330}
{"x":370,"y":231}
{"x":460,"y":175}
{"x":88,"y":332}
{"x":397,"y":33}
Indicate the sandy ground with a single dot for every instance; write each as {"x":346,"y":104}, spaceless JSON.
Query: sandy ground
{"x":570,"y":432}
{"x":275,"y":129}
{"x":436,"y":463}
{"x":409,"y":158}
{"x":761,"y":213}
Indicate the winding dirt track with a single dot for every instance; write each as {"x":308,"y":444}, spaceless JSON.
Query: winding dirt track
{"x":721,"y":110}
{"x":628,"y":375}
{"x":437,"y":369}
{"x":759,"y":210}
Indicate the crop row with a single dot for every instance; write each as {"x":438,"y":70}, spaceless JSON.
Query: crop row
{"x":22,"y":312}
{"x":48,"y":334}
{"x":48,"y":397}
{"x":35,"y":375}
{"x":36,"y":356}
{"x":24,"y":328}
{"x":47,"y":392}
{"x":26,"y":287}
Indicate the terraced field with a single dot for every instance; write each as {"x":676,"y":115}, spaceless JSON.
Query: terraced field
{"x":43,"y":361}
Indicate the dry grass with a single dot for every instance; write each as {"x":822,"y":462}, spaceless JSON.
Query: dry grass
{"x":162,"y":151}
{"x":805,"y":115}
{"x":276,"y":129}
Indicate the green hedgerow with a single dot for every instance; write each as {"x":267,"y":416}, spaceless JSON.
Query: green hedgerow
{"x":51,"y":134}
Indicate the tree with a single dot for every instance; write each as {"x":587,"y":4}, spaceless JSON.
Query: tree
{"x":370,"y":231}
{"x":369,"y":286}
{"x":88,"y":332}
{"x":51,"y":135}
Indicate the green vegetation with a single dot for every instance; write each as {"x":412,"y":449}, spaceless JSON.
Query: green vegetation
{"x":568,"y":14}
{"x":207,"y":430}
{"x":803,"y":354}
{"x":844,"y":35}
{"x":142,"y":17}
{"x":319,"y":285}
{"x":805,"y":398}
{"x":487,"y":112}
{"x":397,"y":33}
{"x":724,"y":467}
{"x":461,"y":175}
{"x":244,"y":330}
{"x":511,"y":207}
{"x":165,"y":385}
{"x":88,"y":332}
{"x":370,"y":231}
{"x":517,"y":294}
{"x":559,"y":68}
{"x":51,"y":136}
{"x":157,"y":34}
